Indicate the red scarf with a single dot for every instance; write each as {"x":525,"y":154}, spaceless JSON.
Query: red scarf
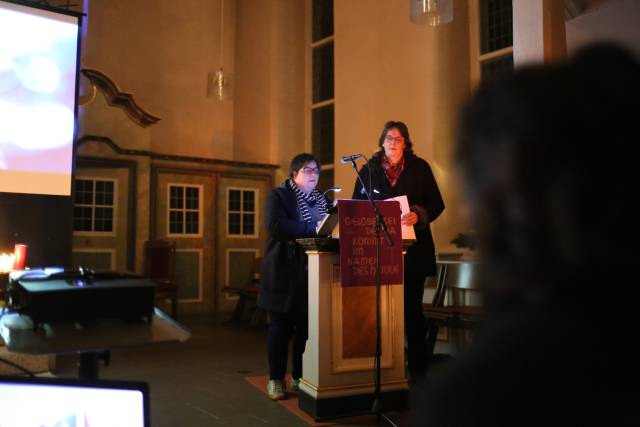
{"x":392,"y":172}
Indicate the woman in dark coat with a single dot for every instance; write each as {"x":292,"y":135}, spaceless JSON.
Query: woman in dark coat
{"x":293,"y":209}
{"x":396,"y":171}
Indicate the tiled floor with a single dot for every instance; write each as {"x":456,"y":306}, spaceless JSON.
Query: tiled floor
{"x":201,"y":382}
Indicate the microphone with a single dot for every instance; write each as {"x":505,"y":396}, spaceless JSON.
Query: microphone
{"x":347,"y":159}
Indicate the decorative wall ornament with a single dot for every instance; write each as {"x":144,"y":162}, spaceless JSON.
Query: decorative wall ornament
{"x":222,"y":164}
{"x":116,"y":97}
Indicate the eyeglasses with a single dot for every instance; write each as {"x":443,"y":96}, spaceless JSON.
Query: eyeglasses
{"x":309,"y":171}
{"x":396,"y":139}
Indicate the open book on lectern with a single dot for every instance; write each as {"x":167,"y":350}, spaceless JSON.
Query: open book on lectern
{"x":329,"y":226}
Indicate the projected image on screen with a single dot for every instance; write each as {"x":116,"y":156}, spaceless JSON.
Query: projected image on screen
{"x":42,"y":405}
{"x":37,"y":97}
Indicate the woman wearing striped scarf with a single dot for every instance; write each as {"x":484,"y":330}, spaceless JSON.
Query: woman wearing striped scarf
{"x":292,"y":211}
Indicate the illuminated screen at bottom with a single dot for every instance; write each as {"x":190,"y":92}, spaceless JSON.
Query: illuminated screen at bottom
{"x":57,"y":405}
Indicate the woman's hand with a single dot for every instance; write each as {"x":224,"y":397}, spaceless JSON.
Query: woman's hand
{"x":410,"y":218}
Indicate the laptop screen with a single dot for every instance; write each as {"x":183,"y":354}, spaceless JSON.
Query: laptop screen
{"x":55,"y":402}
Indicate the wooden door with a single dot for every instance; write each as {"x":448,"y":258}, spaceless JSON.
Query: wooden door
{"x":101,"y":221}
{"x":240,"y":233}
{"x":182,"y":212}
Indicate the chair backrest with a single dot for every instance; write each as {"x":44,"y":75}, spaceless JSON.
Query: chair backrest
{"x":456,"y":278}
{"x":159,"y":259}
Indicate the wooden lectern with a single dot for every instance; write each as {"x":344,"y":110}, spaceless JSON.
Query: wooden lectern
{"x":338,"y":362}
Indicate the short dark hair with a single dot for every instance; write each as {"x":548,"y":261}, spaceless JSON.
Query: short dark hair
{"x":404,"y":131}
{"x":300,"y":160}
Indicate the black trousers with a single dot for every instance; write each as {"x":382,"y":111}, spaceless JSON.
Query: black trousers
{"x":282,"y":328}
{"x":414,"y":322}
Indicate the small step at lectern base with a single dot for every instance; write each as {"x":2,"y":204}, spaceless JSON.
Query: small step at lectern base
{"x":345,"y":406}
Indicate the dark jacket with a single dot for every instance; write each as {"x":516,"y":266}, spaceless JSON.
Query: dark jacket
{"x":419,"y":185}
{"x":283,"y":277}
{"x":541,"y":365}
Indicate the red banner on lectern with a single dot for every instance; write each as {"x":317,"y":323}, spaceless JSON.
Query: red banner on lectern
{"x":358,"y":243}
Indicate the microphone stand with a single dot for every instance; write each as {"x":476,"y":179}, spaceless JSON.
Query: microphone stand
{"x":380,"y":226}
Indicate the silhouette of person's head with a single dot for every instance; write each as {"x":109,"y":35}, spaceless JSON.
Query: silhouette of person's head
{"x":546,"y":158}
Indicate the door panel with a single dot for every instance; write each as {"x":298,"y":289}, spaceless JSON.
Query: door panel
{"x":102,"y":250}
{"x":173,"y":221}
{"x":238,"y":250}
{"x":189,"y":275}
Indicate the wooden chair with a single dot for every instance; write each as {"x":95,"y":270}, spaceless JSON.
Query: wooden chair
{"x":159,"y":266}
{"x":450,"y":305}
{"x":248,"y":293}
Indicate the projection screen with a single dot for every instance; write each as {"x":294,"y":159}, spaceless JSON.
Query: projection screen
{"x":38,"y":78}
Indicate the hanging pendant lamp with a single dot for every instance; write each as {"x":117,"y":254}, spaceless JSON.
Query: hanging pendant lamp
{"x":432,"y":12}
{"x":219,"y":86}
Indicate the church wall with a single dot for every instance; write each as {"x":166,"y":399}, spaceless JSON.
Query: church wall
{"x":162,"y":53}
{"x":387,"y":68}
{"x":269,"y":106}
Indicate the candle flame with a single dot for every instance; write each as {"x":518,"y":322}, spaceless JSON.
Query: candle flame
{"x":6,"y":262}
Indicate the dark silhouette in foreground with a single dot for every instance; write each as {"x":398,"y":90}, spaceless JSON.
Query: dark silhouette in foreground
{"x":546,"y":158}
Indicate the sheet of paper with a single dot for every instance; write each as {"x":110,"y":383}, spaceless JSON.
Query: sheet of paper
{"x":408,"y":233}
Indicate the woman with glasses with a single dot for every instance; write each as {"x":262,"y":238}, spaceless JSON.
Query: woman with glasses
{"x":395,"y":171}
{"x":292,"y":211}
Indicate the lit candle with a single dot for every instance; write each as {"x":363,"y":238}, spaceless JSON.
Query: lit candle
{"x":6,"y":262}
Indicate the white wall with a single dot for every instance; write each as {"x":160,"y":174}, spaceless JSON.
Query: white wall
{"x":616,"y":20}
{"x":162,"y":52}
{"x":387,"y":68}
